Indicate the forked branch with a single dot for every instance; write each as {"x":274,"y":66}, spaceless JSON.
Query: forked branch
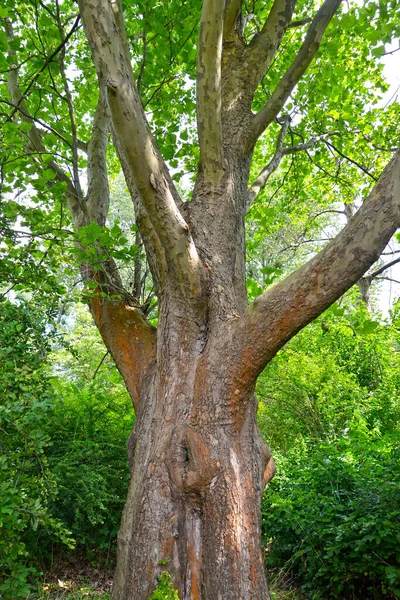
{"x":127,"y":335}
{"x":279,"y":313}
{"x":262,"y":179}
{"x":296,"y":70}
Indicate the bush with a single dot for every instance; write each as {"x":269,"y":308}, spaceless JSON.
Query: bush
{"x":332,"y":516}
{"x":89,"y":462}
{"x":26,"y":483}
{"x":165,"y":589}
{"x":92,"y":420}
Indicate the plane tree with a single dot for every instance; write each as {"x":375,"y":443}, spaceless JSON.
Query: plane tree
{"x":210,"y":111}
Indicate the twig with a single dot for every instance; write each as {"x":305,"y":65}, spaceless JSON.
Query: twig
{"x":99,"y":365}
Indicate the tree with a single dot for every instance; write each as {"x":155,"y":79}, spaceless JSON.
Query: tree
{"x":198,"y":462}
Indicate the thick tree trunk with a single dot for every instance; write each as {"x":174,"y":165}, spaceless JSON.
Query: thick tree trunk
{"x":198,"y":461}
{"x":197,"y":478}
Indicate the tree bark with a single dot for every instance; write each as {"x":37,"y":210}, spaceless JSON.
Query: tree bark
{"x":198,"y":462}
{"x":198,"y":470}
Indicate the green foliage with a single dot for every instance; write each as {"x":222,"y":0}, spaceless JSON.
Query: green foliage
{"x":92,"y":420}
{"x":333,"y":516}
{"x":164,"y":589}
{"x":89,"y":463}
{"x":341,"y":368}
{"x":27,"y":485}
{"x":63,"y":463}
{"x":330,"y":406}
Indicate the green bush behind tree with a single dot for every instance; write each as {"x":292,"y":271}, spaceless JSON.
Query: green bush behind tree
{"x":28,"y":487}
{"x":330,"y":405}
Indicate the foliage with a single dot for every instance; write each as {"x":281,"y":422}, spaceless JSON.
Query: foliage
{"x":333,"y":515}
{"x":291,"y":213}
{"x":341,"y":368}
{"x":88,"y":461}
{"x":63,"y":465}
{"x":69,"y":435}
{"x":92,"y":420}
{"x":164,"y":589}
{"x":27,"y":485}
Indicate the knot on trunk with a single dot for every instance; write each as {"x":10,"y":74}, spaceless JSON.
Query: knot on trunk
{"x":192,"y":466}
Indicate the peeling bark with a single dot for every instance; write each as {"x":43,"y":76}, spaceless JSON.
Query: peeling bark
{"x":209,"y":90}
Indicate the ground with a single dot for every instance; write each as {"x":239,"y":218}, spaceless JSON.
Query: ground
{"x":72,"y":581}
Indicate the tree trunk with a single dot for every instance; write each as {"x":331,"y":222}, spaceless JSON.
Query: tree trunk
{"x":198,"y":469}
{"x":198,"y":461}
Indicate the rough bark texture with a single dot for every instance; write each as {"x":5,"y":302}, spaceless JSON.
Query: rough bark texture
{"x":198,"y":463}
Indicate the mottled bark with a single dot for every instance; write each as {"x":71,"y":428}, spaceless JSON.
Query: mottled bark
{"x":198,"y":465}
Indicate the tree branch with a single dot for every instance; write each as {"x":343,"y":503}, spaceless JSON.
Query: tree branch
{"x":46,"y":62}
{"x":142,"y":161}
{"x":300,"y":22}
{"x":357,"y":164}
{"x":279,"y":313}
{"x":264,"y":45}
{"x":296,"y":70}
{"x":384,"y":268}
{"x":98,"y":194}
{"x":388,"y":279}
{"x":71,"y":111}
{"x":231,"y":16}
{"x":74,"y":200}
{"x":125,"y":331}
{"x":208,"y":88}
{"x":128,"y":337}
{"x":273,"y":164}
{"x":261,"y":181}
{"x":31,"y":118}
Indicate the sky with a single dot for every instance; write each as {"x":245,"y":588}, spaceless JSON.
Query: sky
{"x":390,"y":290}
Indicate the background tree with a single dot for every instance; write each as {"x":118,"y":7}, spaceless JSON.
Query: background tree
{"x":198,"y":461}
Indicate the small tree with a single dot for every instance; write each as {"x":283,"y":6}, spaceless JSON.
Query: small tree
{"x":199,"y":464}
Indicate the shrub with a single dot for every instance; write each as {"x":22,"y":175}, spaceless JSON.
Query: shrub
{"x":332,"y":515}
{"x":89,"y":430}
{"x":341,"y":368}
{"x":26,"y":483}
{"x":165,"y":589}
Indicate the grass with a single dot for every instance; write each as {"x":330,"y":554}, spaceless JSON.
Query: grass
{"x":282,"y":587}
